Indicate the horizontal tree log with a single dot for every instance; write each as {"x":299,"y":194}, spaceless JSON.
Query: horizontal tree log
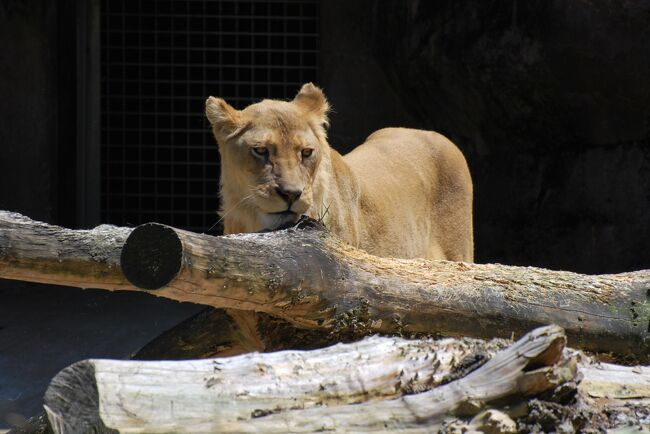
{"x":312,"y":280}
{"x":295,"y":391}
{"x":309,"y":278}
{"x":34,"y":251}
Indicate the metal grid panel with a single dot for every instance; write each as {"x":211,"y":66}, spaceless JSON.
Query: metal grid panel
{"x":159,"y":61}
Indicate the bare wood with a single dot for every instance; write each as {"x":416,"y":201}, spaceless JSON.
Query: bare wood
{"x":309,"y":391}
{"x":38,"y":252}
{"x":500,"y":377}
{"x":313,"y":280}
{"x":608,"y":397}
{"x":269,"y":392}
{"x":610,"y":385}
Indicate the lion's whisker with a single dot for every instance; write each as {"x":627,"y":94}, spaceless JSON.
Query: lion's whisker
{"x":232,"y":208}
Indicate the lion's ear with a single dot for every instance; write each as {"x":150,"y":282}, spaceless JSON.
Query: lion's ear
{"x":224,"y":118}
{"x":312,"y":101}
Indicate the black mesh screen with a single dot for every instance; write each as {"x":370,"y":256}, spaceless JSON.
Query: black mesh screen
{"x":159,"y":62}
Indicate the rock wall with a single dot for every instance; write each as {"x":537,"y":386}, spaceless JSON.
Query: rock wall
{"x":549,"y":100}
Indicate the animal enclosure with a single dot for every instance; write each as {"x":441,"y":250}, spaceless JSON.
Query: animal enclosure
{"x":301,"y":287}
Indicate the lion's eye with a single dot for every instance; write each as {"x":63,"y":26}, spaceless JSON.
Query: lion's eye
{"x":306,"y":153}
{"x":260,"y":151}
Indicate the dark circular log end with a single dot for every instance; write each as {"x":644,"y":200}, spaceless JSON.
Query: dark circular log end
{"x":152,"y":256}
{"x":72,"y":401}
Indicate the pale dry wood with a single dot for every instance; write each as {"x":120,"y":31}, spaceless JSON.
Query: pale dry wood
{"x":313,"y":280}
{"x":34,"y":251}
{"x":423,"y":413}
{"x":616,"y":385}
{"x":240,"y":387}
{"x":295,"y":391}
{"x":614,"y":397}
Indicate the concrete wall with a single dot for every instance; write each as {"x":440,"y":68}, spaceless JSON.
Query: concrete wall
{"x":549,"y":101}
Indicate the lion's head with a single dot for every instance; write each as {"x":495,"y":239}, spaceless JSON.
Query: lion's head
{"x":270,"y":155}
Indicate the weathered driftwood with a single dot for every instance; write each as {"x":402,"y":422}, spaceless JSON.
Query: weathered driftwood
{"x":311,"y":279}
{"x":38,"y":252}
{"x":613,"y":389}
{"x":296,"y":391}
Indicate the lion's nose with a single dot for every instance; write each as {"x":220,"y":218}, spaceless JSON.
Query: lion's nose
{"x":289,"y":194}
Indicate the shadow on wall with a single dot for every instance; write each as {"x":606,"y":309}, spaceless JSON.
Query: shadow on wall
{"x":550,"y":102}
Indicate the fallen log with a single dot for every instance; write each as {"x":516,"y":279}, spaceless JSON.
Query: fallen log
{"x":309,"y":278}
{"x":327,"y":290}
{"x":34,"y":251}
{"x":378,"y":384}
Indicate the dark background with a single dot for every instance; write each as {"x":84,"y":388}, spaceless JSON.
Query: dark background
{"x":101,"y":121}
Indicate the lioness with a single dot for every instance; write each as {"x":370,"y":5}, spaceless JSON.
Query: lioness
{"x":403,"y":193}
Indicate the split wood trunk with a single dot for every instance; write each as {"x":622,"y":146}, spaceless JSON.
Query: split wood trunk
{"x":376,"y":385}
{"x":312,"y":391}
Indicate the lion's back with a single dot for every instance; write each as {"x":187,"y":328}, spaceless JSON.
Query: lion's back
{"x":416,"y":195}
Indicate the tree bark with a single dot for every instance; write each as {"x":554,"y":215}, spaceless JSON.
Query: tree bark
{"x":327,"y":290}
{"x":228,"y":332}
{"x":296,"y":391}
{"x":309,"y":278}
{"x":38,"y":252}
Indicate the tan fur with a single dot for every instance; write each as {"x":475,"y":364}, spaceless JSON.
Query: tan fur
{"x":403,"y":193}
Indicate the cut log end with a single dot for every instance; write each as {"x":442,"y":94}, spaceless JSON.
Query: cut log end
{"x":72,"y":401}
{"x":152,"y":256}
